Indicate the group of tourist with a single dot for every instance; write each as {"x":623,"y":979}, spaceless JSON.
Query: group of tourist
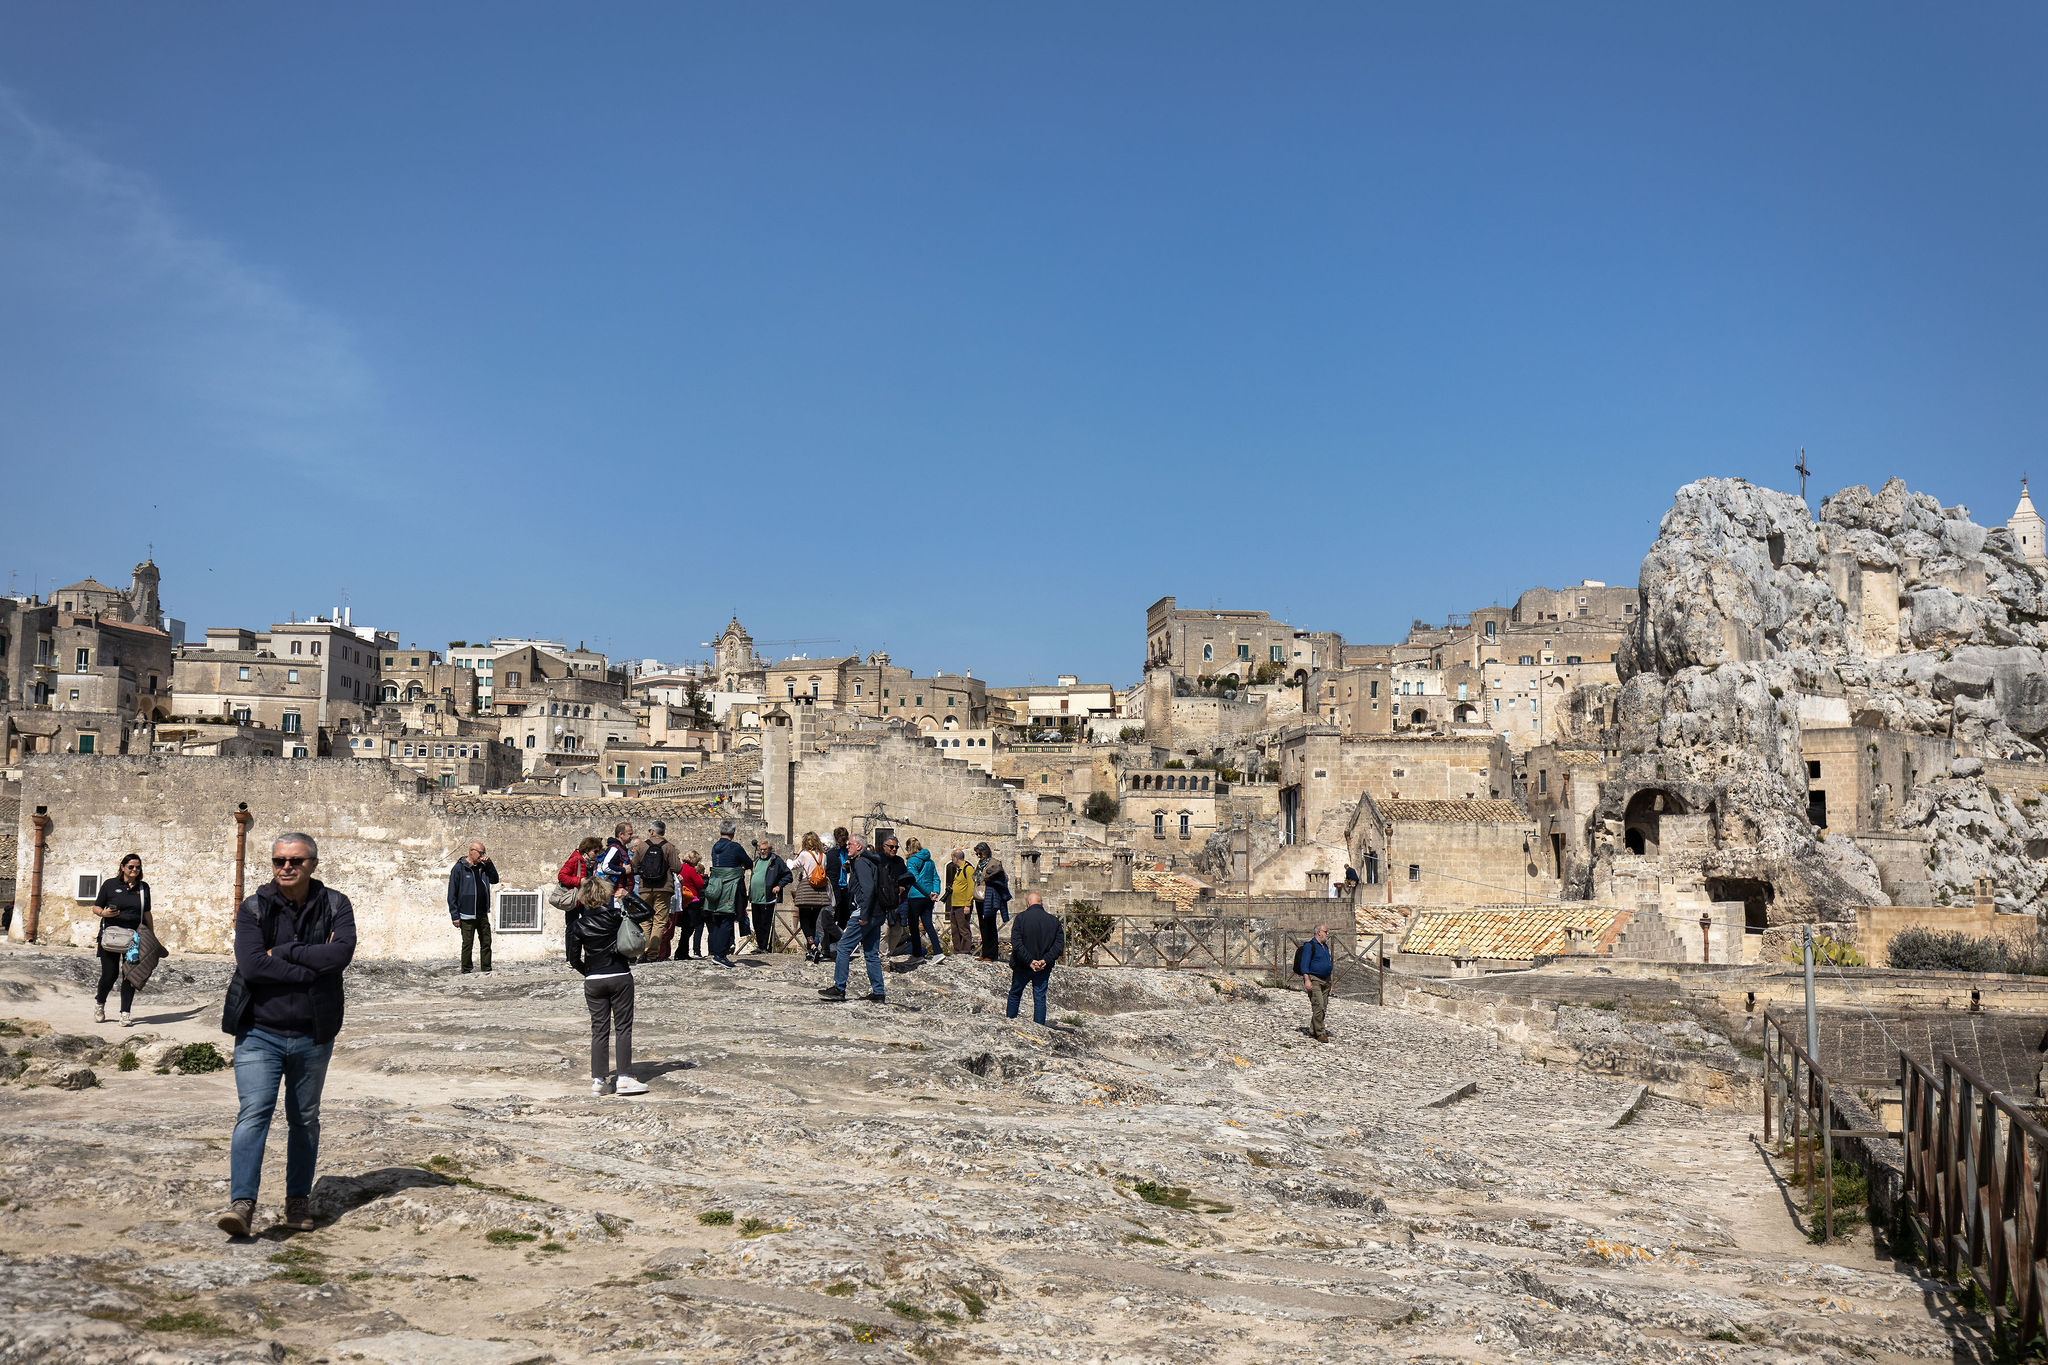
{"x":625,"y":902}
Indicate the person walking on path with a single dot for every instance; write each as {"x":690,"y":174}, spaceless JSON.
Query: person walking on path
{"x":960,"y":902}
{"x":654,"y":864}
{"x":690,"y":906}
{"x":469,"y":902}
{"x":860,"y":872}
{"x":293,"y":941}
{"x":992,"y":888}
{"x":765,"y":881}
{"x":1314,"y":964}
{"x":123,"y":908}
{"x":812,"y":892}
{"x":725,"y":891}
{"x":1037,"y":940}
{"x":922,"y":891}
{"x":592,"y":946}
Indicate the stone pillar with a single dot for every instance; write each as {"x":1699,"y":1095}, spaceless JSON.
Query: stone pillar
{"x":1030,"y":858}
{"x":1120,"y":869}
{"x":1985,"y":904}
{"x":778,"y":780}
{"x":1319,"y":884}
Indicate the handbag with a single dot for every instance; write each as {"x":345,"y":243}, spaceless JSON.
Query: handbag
{"x":238,"y":1011}
{"x":115,"y":939}
{"x":632,"y":939}
{"x":563,"y":898}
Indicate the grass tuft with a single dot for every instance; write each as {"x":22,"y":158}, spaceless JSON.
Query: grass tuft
{"x":903,"y":1308}
{"x":129,"y":1062}
{"x":192,"y":1322}
{"x":505,"y":1237}
{"x":716,"y":1218}
{"x":841,"y":1290}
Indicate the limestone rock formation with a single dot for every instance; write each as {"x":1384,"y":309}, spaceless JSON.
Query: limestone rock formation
{"x":1890,"y":612}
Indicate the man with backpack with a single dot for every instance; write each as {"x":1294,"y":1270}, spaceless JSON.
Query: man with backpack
{"x":960,"y":902}
{"x":862,"y":877}
{"x":293,"y":940}
{"x":654,"y":864}
{"x":1313,"y":964}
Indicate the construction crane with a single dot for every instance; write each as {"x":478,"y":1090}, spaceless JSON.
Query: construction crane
{"x":776,"y":644}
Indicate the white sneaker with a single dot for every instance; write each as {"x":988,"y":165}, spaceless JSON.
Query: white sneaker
{"x":126,"y":1022}
{"x":628,"y":1086}
{"x":597,"y":1085}
{"x":99,"y":1012}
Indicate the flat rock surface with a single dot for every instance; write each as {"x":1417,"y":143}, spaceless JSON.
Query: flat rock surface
{"x":1169,"y":1171}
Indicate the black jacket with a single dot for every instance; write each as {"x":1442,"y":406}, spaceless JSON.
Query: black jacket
{"x":833,"y":857}
{"x":469,"y":889}
{"x":591,"y":942}
{"x":862,"y":892}
{"x":292,"y":957}
{"x":1036,"y":935}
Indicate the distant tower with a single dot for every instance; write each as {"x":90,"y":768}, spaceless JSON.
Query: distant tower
{"x":2028,"y":530}
{"x":146,"y":608}
{"x":737,"y":662}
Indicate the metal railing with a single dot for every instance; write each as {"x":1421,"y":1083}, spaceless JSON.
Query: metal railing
{"x":1974,"y":1192}
{"x":1799,"y":1109}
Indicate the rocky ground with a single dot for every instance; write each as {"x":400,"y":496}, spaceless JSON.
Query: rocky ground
{"x":1171,"y":1171}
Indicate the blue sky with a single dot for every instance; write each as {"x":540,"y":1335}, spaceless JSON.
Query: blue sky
{"x":969,"y":331}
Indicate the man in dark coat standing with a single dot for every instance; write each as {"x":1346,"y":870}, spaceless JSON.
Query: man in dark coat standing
{"x":469,"y":902}
{"x":1037,"y":939}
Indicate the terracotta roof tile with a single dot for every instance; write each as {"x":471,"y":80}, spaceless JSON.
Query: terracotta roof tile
{"x":1514,"y":932}
{"x":1457,"y":812}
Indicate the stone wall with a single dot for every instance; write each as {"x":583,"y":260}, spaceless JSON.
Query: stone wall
{"x":386,"y":841}
{"x":1877,"y":925}
{"x":1535,"y":1025}
{"x":907,"y":785}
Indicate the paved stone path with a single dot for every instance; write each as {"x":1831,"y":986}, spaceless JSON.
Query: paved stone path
{"x":1171,"y":1171}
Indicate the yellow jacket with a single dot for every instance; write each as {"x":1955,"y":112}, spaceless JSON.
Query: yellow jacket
{"x":960,"y":884}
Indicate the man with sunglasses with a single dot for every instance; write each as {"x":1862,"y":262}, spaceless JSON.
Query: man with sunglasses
{"x":293,"y":940}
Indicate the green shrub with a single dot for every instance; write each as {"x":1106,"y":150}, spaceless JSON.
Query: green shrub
{"x":716,"y":1218}
{"x":129,"y":1061}
{"x":1944,"y":950}
{"x":1100,"y":807}
{"x":505,"y":1237}
{"x":1087,"y":928}
{"x":198,"y":1058}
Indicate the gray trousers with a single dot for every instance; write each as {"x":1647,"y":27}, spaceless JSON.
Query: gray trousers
{"x":611,"y":1021}
{"x":1318,"y":1002}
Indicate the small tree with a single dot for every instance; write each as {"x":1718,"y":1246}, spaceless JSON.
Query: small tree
{"x":700,"y":709}
{"x":1101,"y":808}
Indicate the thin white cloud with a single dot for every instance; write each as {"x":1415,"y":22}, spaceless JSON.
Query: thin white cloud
{"x":104,"y":272}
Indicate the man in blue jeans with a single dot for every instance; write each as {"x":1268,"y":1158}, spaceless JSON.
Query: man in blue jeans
{"x":1036,"y":941}
{"x":860,"y":881}
{"x":293,"y":940}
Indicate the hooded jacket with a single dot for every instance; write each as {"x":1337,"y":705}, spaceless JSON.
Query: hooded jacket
{"x":292,"y":958}
{"x":469,"y":889}
{"x":924,"y":875}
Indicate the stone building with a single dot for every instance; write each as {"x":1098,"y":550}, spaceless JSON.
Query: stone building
{"x":416,"y":675}
{"x":565,"y":722}
{"x":1357,"y":700}
{"x":1215,"y":643}
{"x":1069,"y":703}
{"x":462,"y":755}
{"x":1163,"y":810}
{"x":1411,"y":853}
{"x":736,"y":666}
{"x":2028,"y":531}
{"x":253,"y":687}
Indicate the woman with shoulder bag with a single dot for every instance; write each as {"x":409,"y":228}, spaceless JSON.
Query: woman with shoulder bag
{"x":811,"y":889}
{"x":592,"y":946}
{"x":573,"y":871}
{"x":123,"y":908}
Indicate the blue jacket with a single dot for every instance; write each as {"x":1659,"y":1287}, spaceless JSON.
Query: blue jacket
{"x":1313,"y":959}
{"x":924,"y":876}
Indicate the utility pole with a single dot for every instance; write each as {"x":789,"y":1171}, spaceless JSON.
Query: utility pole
{"x":1812,"y":1017}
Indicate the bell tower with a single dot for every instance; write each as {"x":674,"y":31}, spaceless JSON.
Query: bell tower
{"x":2028,"y":530}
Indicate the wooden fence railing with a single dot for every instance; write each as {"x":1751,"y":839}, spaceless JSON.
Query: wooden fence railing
{"x":1974,"y":1162}
{"x":1219,"y":943}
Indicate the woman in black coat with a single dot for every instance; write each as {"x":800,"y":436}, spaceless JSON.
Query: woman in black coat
{"x":122,"y":905}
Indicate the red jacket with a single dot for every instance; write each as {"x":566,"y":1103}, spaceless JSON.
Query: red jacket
{"x":691,"y":881}
{"x":574,"y":870}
